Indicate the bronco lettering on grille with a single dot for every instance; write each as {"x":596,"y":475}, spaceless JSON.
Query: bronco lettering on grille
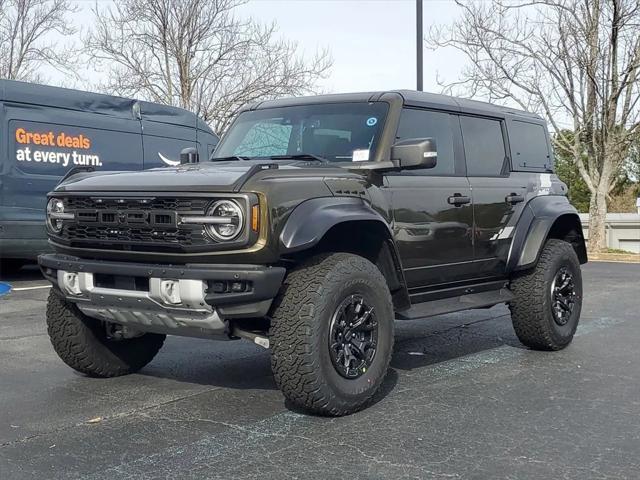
{"x":164,"y":219}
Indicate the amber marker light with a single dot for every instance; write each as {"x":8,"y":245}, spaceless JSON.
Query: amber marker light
{"x":255,"y":218}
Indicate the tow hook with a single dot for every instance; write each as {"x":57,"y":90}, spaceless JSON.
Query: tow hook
{"x":256,"y":337}
{"x":118,"y":332}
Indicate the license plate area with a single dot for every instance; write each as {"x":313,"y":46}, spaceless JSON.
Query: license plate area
{"x":121,"y":282}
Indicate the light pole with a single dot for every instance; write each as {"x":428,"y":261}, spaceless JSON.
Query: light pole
{"x":419,"y":41}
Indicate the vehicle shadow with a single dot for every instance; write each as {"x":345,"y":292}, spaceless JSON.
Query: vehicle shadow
{"x":27,"y":273}
{"x":423,"y":343}
{"x":235,"y":365}
{"x":419,"y":344}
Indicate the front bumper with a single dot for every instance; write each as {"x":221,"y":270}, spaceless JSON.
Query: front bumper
{"x":130,"y":293}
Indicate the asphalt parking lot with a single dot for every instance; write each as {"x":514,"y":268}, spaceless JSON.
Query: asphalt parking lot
{"x":463,"y":400}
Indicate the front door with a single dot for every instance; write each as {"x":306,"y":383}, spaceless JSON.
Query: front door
{"x":432,"y":208}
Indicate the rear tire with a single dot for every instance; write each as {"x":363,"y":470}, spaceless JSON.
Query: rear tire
{"x":82,"y":343}
{"x":540,"y":315}
{"x":317,"y":302}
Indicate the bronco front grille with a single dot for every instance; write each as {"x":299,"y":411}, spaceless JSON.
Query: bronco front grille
{"x":134,"y":223}
{"x":187,"y":205}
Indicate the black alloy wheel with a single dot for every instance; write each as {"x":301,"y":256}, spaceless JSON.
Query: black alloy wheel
{"x":353,"y":337}
{"x":563,"y":296}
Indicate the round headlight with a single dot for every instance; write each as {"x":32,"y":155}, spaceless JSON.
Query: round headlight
{"x":229,"y":220}
{"x":54,"y":207}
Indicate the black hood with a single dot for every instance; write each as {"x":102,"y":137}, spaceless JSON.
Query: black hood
{"x":207,"y":176}
{"x":201,"y":177}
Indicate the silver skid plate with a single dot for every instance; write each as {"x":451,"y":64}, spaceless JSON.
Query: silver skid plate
{"x":145,"y":310}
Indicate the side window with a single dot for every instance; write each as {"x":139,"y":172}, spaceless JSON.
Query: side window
{"x":437,"y":125}
{"x":529,"y":146}
{"x":483,"y":146}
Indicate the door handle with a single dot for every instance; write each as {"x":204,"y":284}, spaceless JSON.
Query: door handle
{"x":458,"y":200}
{"x":514,"y":198}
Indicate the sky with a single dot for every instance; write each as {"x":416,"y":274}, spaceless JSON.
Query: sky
{"x":372,"y":42}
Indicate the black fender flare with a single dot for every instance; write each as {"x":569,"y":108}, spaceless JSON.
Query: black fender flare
{"x":539,"y":217}
{"x":313,"y":219}
{"x":310,"y":220}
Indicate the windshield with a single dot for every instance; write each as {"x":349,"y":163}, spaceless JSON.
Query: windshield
{"x":337,"y":132}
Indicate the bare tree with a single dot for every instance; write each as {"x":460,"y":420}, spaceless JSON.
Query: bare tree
{"x":26,"y":45}
{"x":574,"y":61}
{"x":197,"y":55}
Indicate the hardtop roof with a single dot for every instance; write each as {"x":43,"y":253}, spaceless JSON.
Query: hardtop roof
{"x":82,"y":101}
{"x":409,"y":97}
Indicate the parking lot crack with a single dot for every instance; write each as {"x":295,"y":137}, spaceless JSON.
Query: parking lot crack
{"x":36,"y":436}
{"x":105,"y":418}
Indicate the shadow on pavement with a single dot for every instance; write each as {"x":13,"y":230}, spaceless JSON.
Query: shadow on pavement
{"x":418,"y":345}
{"x":27,"y":273}
{"x":236,"y":364}
{"x":435,"y":340}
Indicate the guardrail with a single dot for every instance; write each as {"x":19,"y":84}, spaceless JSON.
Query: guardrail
{"x":622,"y":230}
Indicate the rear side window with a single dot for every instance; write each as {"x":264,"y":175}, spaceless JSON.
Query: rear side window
{"x":428,"y":124}
{"x":483,"y":146}
{"x":529,"y":146}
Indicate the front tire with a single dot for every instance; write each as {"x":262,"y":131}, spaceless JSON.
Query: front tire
{"x":82,"y":342}
{"x":548,"y":298}
{"x":332,"y":334}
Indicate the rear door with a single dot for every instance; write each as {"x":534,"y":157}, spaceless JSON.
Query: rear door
{"x":43,"y":143}
{"x":498,"y":196}
{"x":432,"y":208}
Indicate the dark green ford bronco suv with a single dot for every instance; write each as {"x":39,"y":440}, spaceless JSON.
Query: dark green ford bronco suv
{"x":316,"y":224}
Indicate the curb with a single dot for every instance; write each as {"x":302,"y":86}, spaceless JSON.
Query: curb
{"x":614,"y":257}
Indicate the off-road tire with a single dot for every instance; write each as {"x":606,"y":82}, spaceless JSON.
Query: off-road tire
{"x":82,"y":343}
{"x":531,"y":312}
{"x":299,"y":334}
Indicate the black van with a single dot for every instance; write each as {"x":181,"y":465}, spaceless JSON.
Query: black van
{"x":47,"y":131}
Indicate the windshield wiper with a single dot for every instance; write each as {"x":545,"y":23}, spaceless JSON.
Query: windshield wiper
{"x":226,"y":159}
{"x":299,"y":156}
{"x":295,"y":156}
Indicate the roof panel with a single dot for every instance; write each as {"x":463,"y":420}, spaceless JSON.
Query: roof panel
{"x":411,"y":97}
{"x":56,"y":97}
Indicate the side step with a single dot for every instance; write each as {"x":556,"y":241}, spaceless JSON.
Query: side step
{"x":456,"y":304}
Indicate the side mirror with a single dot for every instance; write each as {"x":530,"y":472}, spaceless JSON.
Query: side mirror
{"x":415,"y":153}
{"x":189,"y":155}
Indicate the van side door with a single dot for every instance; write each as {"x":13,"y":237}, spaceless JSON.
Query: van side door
{"x":44,"y":143}
{"x":207,"y":143}
{"x":432,"y":208}
{"x":498,"y":195}
{"x":165,"y":133}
